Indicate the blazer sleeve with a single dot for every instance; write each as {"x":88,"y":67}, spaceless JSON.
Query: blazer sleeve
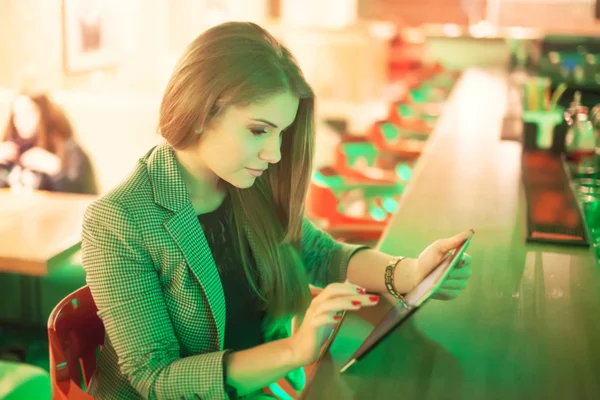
{"x":326,"y":260}
{"x":127,"y":291}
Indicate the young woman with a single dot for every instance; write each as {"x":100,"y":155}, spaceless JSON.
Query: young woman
{"x":37,"y":150}
{"x":201,"y":258}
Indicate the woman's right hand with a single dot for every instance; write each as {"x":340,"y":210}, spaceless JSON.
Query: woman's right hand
{"x":325,"y":311}
{"x":8,"y":152}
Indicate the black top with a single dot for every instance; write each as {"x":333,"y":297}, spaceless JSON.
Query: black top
{"x":243,"y":315}
{"x":76,"y":175}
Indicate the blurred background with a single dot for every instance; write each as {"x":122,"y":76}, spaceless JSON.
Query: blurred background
{"x":383,"y":72}
{"x":345,"y":47}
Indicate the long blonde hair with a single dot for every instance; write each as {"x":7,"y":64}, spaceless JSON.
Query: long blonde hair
{"x":237,"y":64}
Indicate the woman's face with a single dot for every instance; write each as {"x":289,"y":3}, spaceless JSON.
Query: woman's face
{"x":26,"y":116}
{"x":245,"y":140}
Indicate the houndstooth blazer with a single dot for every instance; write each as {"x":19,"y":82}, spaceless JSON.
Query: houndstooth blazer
{"x":158,"y":290}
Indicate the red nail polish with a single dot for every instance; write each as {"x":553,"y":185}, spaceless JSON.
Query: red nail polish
{"x":337,"y":317}
{"x":361,"y":290}
{"x":374,"y":298}
{"x":355,"y":303}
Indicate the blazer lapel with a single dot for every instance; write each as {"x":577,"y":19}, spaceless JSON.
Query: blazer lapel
{"x":183,"y":226}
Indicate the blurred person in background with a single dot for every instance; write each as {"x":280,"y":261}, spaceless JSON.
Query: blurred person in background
{"x":38,"y":151}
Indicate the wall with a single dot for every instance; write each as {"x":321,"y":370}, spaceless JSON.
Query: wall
{"x":36,"y":51}
{"x":568,"y":16}
{"x":151,"y":35}
{"x":417,"y":12}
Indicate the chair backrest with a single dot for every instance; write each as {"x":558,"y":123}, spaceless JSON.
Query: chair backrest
{"x":75,"y":333}
{"x":322,"y":204}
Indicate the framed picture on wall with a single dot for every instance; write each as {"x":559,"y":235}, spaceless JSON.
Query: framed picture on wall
{"x":90,"y":40}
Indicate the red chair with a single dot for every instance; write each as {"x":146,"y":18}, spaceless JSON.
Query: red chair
{"x":322,"y":206}
{"x":407,"y":116}
{"x":405,"y":148}
{"x":367,"y":171}
{"x":75,"y":333}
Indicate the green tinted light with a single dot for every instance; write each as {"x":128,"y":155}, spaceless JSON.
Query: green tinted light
{"x":332,"y":182}
{"x":377,"y":213}
{"x":404,"y":110}
{"x":390,"y":131}
{"x":390,"y":205}
{"x":418,"y":95}
{"x":404,"y":172}
{"x":355,"y":151}
{"x":279,"y":392}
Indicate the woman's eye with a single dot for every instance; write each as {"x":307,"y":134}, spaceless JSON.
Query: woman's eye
{"x":258,"y":131}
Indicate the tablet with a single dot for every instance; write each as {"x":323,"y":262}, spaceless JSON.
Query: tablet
{"x":414,"y":300}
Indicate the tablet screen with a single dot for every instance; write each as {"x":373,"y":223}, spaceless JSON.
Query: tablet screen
{"x":415,"y":299}
{"x":434,"y":280}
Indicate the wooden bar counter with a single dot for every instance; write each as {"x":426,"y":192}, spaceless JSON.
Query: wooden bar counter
{"x":528,"y":324}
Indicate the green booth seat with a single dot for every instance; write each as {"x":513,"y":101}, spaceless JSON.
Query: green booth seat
{"x":358,"y":155}
{"x":392,"y":133}
{"x":356,"y":151}
{"x":427,"y":112}
{"x":359,"y":199}
{"x":327,"y":177}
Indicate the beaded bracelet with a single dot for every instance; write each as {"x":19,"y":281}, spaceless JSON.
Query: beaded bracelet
{"x":389,"y":280}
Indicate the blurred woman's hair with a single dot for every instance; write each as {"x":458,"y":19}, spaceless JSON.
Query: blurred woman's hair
{"x":53,"y":127}
{"x":237,"y":64}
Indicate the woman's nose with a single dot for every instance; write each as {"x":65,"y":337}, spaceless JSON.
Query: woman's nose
{"x":271,"y":152}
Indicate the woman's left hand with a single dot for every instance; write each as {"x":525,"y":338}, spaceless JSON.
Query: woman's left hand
{"x":40,"y":160}
{"x":435,"y":253}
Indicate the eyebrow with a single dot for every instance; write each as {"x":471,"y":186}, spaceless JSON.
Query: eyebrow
{"x":267,"y":122}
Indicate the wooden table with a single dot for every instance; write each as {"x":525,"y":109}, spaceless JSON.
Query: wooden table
{"x":528,"y":324}
{"x":37,"y":229}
